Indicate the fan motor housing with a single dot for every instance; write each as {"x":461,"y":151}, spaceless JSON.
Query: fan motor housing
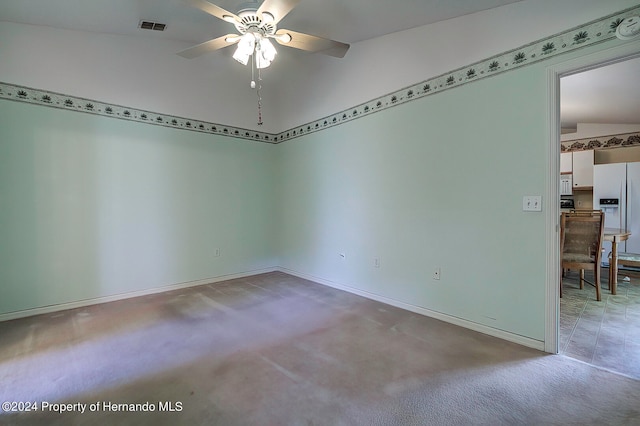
{"x":250,"y":22}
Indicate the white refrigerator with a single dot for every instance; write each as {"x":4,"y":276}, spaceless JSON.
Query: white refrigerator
{"x":616,"y":190}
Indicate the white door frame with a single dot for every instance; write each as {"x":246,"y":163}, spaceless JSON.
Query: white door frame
{"x":612,"y":55}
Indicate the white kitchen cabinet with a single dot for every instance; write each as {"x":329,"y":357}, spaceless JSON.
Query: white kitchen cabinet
{"x":566,"y":163}
{"x":566,"y":184}
{"x":583,"y":169}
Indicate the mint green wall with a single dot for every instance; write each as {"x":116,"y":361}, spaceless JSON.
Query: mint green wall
{"x":433,"y":183}
{"x":92,"y":206}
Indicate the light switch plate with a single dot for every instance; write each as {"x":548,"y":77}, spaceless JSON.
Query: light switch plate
{"x":532,"y":203}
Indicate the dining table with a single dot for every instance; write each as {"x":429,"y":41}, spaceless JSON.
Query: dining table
{"x":615,"y":236}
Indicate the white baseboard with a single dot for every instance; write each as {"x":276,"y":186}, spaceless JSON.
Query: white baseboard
{"x":501,"y":334}
{"x":88,"y":302}
{"x":525,"y":341}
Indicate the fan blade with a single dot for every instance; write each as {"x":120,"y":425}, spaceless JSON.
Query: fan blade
{"x":313,"y":44}
{"x":214,"y":10}
{"x":277,"y":8}
{"x":209,"y":46}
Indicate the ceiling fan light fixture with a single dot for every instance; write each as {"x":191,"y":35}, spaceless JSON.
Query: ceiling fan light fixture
{"x":241,"y":57}
{"x":267,"y":49}
{"x":265,"y":53}
{"x":256,"y":22}
{"x":262,"y":63}
{"x":245,"y":48}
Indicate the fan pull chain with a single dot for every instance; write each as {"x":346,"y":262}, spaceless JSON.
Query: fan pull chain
{"x":259,"y":98}
{"x":258,"y":86}
{"x":254,"y":67}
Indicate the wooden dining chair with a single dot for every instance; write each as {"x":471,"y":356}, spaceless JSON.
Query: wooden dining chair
{"x":581,"y":235}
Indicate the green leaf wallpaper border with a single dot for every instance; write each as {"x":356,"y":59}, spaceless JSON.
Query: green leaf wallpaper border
{"x":74,"y":103}
{"x":589,"y":34}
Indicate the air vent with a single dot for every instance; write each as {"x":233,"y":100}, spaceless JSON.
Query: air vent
{"x":149,"y":25}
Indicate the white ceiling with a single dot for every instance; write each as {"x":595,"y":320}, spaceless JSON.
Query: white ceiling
{"x":607,"y":95}
{"x":346,"y":21}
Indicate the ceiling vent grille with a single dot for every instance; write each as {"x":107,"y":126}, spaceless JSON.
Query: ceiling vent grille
{"x":149,"y":25}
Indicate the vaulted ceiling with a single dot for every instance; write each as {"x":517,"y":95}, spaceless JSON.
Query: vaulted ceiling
{"x":347,"y":21}
{"x":609,"y":94}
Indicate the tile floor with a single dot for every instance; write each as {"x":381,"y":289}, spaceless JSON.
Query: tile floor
{"x":605,"y":333}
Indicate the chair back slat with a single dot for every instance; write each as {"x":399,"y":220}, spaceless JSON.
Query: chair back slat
{"x":581,"y":236}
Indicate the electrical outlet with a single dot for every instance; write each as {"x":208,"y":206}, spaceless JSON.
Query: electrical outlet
{"x":436,"y":274}
{"x":376,"y":262}
{"x":216,"y":252}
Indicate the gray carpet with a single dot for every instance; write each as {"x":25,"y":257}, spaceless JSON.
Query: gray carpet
{"x":277,"y":350}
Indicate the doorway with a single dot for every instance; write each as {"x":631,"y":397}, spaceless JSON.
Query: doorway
{"x":606,"y":333}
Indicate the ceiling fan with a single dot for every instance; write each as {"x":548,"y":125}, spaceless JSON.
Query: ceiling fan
{"x":257,"y":25}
